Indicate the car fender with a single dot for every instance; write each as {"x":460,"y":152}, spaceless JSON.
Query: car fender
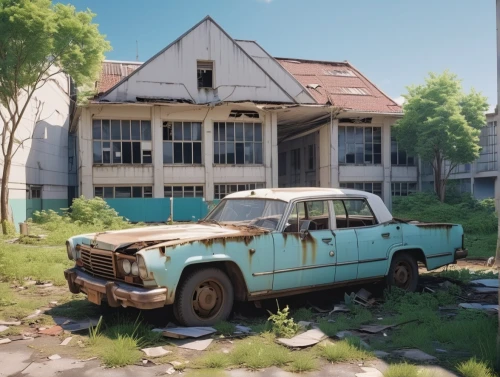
{"x":397,"y":248}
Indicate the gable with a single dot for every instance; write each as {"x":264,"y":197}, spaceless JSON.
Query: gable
{"x":172,"y":73}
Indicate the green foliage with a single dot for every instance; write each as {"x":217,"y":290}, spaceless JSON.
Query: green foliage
{"x":401,"y":370}
{"x":254,"y":353}
{"x":90,"y":211}
{"x":359,"y":316}
{"x":343,"y":351}
{"x":303,"y":362}
{"x":225,"y":328}
{"x":282,"y":325}
{"x":465,"y":276}
{"x":214,"y":361}
{"x":474,"y":368}
{"x":303,"y":314}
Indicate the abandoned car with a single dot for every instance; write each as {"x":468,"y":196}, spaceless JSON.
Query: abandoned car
{"x":256,"y":245}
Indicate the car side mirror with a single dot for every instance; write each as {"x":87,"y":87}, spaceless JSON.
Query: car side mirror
{"x":304,"y":228}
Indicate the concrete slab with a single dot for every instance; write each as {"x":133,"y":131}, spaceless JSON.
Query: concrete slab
{"x":52,"y":368}
{"x":14,"y":359}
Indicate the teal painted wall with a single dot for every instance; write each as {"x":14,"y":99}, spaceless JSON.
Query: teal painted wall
{"x":158,"y":209}
{"x":23,"y":209}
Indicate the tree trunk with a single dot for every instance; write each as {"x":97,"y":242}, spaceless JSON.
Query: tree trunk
{"x":439,"y":182}
{"x":4,"y":194}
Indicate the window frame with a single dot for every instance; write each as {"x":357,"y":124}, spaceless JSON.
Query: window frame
{"x":35,"y":188}
{"x":343,"y":199}
{"x":217,"y":142}
{"x":343,"y":136}
{"x":182,"y":186}
{"x":183,"y":141}
{"x":199,"y":63}
{"x":145,"y":195}
{"x":408,"y":191}
{"x":306,"y":213}
{"x":218,"y":193}
{"x":398,"y":151}
{"x":113,"y":141}
{"x":347,"y":184}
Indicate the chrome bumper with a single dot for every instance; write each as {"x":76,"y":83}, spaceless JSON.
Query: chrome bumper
{"x":461,"y":253}
{"x":116,"y":293}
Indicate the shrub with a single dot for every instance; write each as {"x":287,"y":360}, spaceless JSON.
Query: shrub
{"x":474,"y":368}
{"x":90,"y":211}
{"x":282,"y":325}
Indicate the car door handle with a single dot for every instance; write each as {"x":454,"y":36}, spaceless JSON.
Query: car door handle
{"x":327,"y":240}
{"x":386,"y":235}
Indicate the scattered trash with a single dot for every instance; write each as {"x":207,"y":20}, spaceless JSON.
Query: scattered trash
{"x":441,"y":350}
{"x":3,"y":328}
{"x":415,"y":354}
{"x":66,"y":341}
{"x":176,"y":363}
{"x":84,"y":361}
{"x":155,"y":351}
{"x":478,"y":306}
{"x":6,"y":323}
{"x":54,"y":357}
{"x":148,"y":363}
{"x":196,"y":345}
{"x":362,"y":297}
{"x":446,"y":284}
{"x":306,"y":339}
{"x":373,"y":329}
{"x":492,"y":283}
{"x":340,"y":308}
{"x":170,"y":370}
{"x":427,"y":289}
{"x":188,"y":332}
{"x":52,"y":331}
{"x":46,"y":285}
{"x":5,"y":341}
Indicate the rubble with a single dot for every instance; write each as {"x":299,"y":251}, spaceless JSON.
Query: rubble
{"x":196,"y":345}
{"x":7,"y":323}
{"x":187,"y":332}
{"x":3,"y":328}
{"x":66,"y":341}
{"x":155,"y":351}
{"x":306,"y":339}
{"x":52,"y":331}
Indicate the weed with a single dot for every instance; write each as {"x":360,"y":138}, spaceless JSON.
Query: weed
{"x":474,"y":368}
{"x":302,"y":314}
{"x":342,"y":351}
{"x":255,"y":354}
{"x":465,"y":276}
{"x":401,"y":370}
{"x":282,"y":325}
{"x":302,"y":362}
{"x":225,"y":328}
{"x":261,"y":327}
{"x":214,"y":361}
{"x":120,"y":352}
{"x":95,"y":333}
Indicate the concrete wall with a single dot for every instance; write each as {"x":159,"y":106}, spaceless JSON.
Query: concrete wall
{"x":305,"y":177}
{"x":158,"y":174}
{"x":42,"y":160}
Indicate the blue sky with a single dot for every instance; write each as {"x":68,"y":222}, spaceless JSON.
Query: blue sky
{"x":393,"y":42}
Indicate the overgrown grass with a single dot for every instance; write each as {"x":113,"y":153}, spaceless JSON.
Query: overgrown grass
{"x":465,"y":276}
{"x":225,"y":328}
{"x":257,"y":352}
{"x":303,"y":361}
{"x":474,"y":368}
{"x":401,"y":370}
{"x":214,"y":360}
{"x":359,"y":316}
{"x":478,"y":218}
{"x":343,"y":351}
{"x":302,"y":314}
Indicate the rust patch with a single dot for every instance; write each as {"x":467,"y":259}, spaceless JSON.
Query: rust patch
{"x":251,"y":252}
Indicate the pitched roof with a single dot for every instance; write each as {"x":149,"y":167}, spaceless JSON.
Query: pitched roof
{"x":113,"y":71}
{"x":340,"y":84}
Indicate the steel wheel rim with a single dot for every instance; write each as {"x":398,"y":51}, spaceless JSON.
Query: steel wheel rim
{"x":402,"y":275}
{"x":208,"y":299}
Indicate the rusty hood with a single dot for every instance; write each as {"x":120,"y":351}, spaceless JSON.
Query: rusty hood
{"x":164,"y":235}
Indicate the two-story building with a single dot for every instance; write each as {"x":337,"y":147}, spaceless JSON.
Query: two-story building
{"x":209,"y":115}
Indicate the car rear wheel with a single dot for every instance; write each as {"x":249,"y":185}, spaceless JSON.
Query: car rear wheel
{"x":204,"y":298}
{"x":403,"y":272}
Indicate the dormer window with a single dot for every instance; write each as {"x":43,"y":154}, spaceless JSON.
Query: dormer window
{"x":205,"y":72}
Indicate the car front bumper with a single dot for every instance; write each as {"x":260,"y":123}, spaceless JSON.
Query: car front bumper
{"x":461,"y":253}
{"x":115,"y":293}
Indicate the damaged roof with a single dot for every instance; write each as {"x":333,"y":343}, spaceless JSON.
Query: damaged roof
{"x":339,"y":84}
{"x":113,"y":71}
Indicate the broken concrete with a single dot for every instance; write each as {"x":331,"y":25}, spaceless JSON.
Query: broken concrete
{"x":188,"y":332}
{"x":155,"y":351}
{"x":306,"y":339}
{"x":196,"y":345}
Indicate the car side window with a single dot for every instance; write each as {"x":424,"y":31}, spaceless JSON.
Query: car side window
{"x":353,"y":213}
{"x":309,"y":215}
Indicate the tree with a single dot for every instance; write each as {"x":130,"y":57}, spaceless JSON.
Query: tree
{"x":441,"y":124}
{"x":39,"y":40}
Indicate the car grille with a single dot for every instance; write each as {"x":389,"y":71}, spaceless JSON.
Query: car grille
{"x":98,"y":262}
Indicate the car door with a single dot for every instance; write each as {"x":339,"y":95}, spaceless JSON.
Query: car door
{"x":374,"y":239}
{"x":305,"y":257}
{"x":346,"y":245}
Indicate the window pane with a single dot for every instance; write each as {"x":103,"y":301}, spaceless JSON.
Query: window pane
{"x":402,"y":157}
{"x":115,"y":130}
{"x":125,"y":129}
{"x":167,"y":191}
{"x":196,"y":153}
{"x":146,"y":130}
{"x":230,"y":131}
{"x":216,"y":153}
{"x":238,"y":131}
{"x":249,"y":132}
{"x":122,"y":192}
{"x":136,"y":153}
{"x":108,"y":192}
{"x":137,"y":192}
{"x":106,"y":157}
{"x":188,"y":153}
{"x":216,"y":131}
{"x":240,"y":153}
{"x":98,"y":192}
{"x":187,"y":130}
{"x":96,"y":129}
{"x":258,"y":153}
{"x":167,"y":152}
{"x":230,"y":153}
{"x":127,"y":152}
{"x":258,"y":132}
{"x":222,"y":132}
{"x":148,"y":191}
{"x":222,"y":153}
{"x":97,"y":147}
{"x":177,"y":192}
{"x":117,"y":152}
{"x":177,"y":131}
{"x":249,"y":153}
{"x":177,"y":153}
{"x":167,"y":133}
{"x":136,"y":130}
{"x":146,"y":157}
{"x":188,"y":191}
{"x":199,"y":192}
{"x":196,"y":131}
{"x":105,"y":130}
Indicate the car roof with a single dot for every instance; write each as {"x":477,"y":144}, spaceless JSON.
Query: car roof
{"x":296,"y":193}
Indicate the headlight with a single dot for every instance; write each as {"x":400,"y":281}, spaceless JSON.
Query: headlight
{"x":135,"y":269}
{"x":143,"y":271}
{"x":69,"y":249}
{"x":126,"y":266}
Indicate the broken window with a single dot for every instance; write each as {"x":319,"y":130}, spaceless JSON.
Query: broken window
{"x":182,"y":143}
{"x":112,"y":141}
{"x":205,"y":74}
{"x":360,"y":145}
{"x":183,"y":191}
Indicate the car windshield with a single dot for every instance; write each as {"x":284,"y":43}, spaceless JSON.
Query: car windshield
{"x":257,"y":212}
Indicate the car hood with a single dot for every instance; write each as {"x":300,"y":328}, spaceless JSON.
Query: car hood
{"x":164,"y":235}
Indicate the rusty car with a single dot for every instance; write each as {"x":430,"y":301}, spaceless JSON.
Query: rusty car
{"x":255,"y":245}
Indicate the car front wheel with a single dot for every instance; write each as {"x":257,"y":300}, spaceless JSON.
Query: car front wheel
{"x":403,"y":272}
{"x":204,"y":298}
